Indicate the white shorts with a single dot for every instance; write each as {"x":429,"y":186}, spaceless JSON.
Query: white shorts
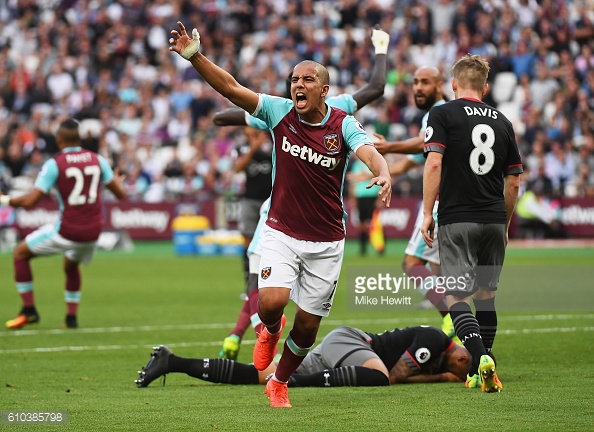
{"x":46,"y":241}
{"x":309,"y":269}
{"x":254,"y":263}
{"x":417,"y":246}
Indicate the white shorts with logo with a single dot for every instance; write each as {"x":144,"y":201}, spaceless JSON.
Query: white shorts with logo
{"x":46,"y":241}
{"x":417,"y":246}
{"x":309,"y":269}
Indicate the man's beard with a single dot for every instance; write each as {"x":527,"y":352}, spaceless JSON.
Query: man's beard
{"x":429,"y":101}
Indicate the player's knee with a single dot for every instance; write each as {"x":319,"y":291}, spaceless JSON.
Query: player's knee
{"x":22,"y":252}
{"x":273,"y":299}
{"x":410,"y":261}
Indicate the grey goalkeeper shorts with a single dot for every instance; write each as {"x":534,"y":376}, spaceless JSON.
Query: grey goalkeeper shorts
{"x":344,"y":346}
{"x":471,"y":256}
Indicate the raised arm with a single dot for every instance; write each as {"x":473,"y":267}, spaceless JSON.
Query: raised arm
{"x":219,"y":79}
{"x":230,"y":117}
{"x":375,"y":87}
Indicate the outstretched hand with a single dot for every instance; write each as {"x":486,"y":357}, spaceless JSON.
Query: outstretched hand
{"x":182,"y":43}
{"x":385,"y":183}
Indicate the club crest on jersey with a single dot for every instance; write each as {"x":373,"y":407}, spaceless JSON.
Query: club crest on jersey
{"x":265,"y":272}
{"x":326,"y":306}
{"x":332,"y":143}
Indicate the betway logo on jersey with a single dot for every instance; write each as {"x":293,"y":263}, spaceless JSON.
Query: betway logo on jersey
{"x":139,"y":218}
{"x":307,"y":154}
{"x":78,"y":158}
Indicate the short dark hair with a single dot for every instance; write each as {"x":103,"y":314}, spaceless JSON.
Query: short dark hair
{"x":68,"y":131}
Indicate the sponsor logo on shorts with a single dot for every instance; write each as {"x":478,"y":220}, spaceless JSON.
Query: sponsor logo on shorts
{"x":326,"y":306}
{"x":332,"y":143}
{"x":265,"y":273}
{"x":422,"y":355}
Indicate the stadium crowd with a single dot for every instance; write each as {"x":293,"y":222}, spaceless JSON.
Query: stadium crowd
{"x":106,"y":63}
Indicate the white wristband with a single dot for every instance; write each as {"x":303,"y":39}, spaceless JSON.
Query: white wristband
{"x":5,"y":200}
{"x":193,"y":47}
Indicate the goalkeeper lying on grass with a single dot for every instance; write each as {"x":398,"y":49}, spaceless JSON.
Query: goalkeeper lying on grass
{"x":347,"y":356}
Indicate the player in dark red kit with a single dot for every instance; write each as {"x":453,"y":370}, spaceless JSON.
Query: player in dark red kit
{"x":303,"y":239}
{"x":474,"y":164}
{"x":77,"y":176}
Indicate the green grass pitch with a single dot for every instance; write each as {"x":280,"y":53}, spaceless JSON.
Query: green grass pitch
{"x":132,"y":301}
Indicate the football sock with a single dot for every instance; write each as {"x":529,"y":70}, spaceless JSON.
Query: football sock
{"x":253,"y":304}
{"x":345,"y":376}
{"x":486,"y":315}
{"x":363,"y":242}
{"x":72,"y":292}
{"x":293,"y":354}
{"x":467,"y":329}
{"x":246,"y":266}
{"x":24,"y":281}
{"x":272,"y":324}
{"x":428,"y":287}
{"x":243,"y":321}
{"x":216,"y":370}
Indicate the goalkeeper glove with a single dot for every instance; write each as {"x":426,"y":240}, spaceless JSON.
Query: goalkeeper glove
{"x":192,"y":49}
{"x":380,"y":40}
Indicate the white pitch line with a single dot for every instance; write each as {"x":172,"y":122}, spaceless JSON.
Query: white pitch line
{"x":326,"y":322}
{"x":247,"y":342}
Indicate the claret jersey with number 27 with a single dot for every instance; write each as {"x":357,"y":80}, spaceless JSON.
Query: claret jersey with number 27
{"x":479,"y":149}
{"x":77,"y":175}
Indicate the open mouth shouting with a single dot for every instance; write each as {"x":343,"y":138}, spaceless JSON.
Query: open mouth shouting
{"x":300,"y":100}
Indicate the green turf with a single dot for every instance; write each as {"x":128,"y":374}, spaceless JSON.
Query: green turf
{"x":132,"y":301}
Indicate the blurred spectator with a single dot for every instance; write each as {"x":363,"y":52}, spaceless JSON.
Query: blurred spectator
{"x":559,"y":167}
{"x":542,"y":88}
{"x":107,"y":62}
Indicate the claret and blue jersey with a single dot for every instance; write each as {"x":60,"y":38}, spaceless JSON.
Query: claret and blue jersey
{"x":77,"y":175}
{"x":309,"y":166}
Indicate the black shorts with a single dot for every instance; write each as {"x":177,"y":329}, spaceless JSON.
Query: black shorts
{"x":471,"y":256}
{"x":366,"y":207}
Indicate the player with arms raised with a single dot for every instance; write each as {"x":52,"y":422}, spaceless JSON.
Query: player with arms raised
{"x":303,"y":239}
{"x":346,"y":102}
{"x":474,"y":164}
{"x":77,"y":176}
